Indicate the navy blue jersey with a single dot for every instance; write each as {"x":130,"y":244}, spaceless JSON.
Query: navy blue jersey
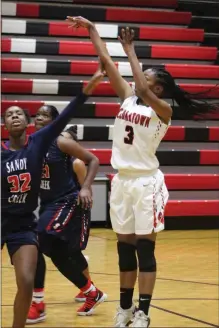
{"x":21,"y":171}
{"x":57,"y":179}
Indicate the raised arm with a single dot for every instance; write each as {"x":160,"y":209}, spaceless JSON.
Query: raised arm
{"x":161,"y":107}
{"x":45,"y":136}
{"x":121,"y":86}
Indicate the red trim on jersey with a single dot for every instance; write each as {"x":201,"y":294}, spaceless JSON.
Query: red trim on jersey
{"x":25,"y":144}
{"x":4,"y":145}
{"x":26,"y":141}
{"x":68,"y":217}
{"x":57,"y":213}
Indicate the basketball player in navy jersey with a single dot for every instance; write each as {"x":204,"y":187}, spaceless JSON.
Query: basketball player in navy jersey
{"x":59,"y":208}
{"x":21,"y":170}
{"x":138,"y":191}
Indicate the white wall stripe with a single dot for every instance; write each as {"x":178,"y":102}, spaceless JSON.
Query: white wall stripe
{"x":60,"y":105}
{"x":23,"y":45}
{"x":9,"y":8}
{"x":115,"y":49}
{"x":13,"y":26}
{"x":80,"y":131}
{"x":125,"y":68}
{"x":45,"y":87}
{"x":31,"y":65}
{"x":107,"y":30}
{"x":110,"y":132}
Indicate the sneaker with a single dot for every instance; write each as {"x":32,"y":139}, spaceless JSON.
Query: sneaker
{"x":37,"y":313}
{"x":123,"y":317}
{"x":93,"y":299}
{"x":140,"y":320}
{"x":80,"y":297}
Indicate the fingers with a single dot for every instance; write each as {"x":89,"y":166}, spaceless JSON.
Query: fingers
{"x":86,"y":202}
{"x":123,"y":34}
{"x":101,"y":66}
{"x":75,"y":22}
{"x":127,"y":35}
{"x":132,"y":34}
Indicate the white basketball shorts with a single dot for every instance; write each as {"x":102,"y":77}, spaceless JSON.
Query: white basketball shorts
{"x":137,"y":204}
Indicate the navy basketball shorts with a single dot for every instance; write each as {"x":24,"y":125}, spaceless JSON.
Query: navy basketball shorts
{"x":67,"y":221}
{"x":15,"y":240}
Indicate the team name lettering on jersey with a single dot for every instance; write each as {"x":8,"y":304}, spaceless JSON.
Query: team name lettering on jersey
{"x":18,"y":198}
{"x":16,"y":165}
{"x":134,"y":118}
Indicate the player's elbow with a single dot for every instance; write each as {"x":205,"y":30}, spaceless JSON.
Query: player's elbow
{"x":93,"y":160}
{"x":96,"y":161}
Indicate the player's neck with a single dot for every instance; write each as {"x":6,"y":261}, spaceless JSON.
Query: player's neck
{"x":140,"y":102}
{"x":17,"y":142}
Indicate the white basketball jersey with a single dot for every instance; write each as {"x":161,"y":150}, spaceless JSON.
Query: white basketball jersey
{"x":137,"y":134}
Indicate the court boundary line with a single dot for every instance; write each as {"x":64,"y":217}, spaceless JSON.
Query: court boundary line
{"x":158,"y":278}
{"x":184,"y":316}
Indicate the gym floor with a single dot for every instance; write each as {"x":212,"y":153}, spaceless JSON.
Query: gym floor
{"x":186,"y":292}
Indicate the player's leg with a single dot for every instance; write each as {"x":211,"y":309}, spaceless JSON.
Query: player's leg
{"x":151,"y":199}
{"x":146,"y":278}
{"x":122,"y":219}
{"x":80,"y":296}
{"x":71,"y":265}
{"x":37,"y":312}
{"x":126,"y":246}
{"x":86,"y":219}
{"x":24,"y":259}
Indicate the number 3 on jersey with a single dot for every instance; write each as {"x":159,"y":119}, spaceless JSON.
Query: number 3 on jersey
{"x":130,"y":135}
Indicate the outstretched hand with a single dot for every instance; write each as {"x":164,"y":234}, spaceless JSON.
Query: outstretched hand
{"x":126,"y":39}
{"x":95,"y":80}
{"x":79,"y":21}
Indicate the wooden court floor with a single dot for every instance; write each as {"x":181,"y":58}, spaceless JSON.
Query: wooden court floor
{"x":186,"y":292}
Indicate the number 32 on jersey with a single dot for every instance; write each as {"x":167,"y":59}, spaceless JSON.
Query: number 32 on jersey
{"x":20,"y":185}
{"x":129,"y":135}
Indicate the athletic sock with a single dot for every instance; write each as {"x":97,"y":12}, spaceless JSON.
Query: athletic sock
{"x":144,"y":302}
{"x":126,"y":295}
{"x":38,"y":295}
{"x":88,"y":289}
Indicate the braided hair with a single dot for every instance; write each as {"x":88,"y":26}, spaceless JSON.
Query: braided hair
{"x":188,"y":107}
{"x":72,"y":130}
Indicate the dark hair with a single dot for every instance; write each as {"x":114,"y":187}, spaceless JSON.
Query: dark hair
{"x":188,"y":107}
{"x":53,"y":111}
{"x":25,"y":111}
{"x":72,"y":130}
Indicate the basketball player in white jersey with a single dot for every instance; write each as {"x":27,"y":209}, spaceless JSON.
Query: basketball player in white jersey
{"x":138,"y":194}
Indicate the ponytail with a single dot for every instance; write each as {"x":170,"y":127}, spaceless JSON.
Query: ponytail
{"x":189,"y":108}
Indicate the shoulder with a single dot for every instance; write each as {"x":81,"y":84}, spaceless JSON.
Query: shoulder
{"x":131,"y":99}
{"x":64,"y":141}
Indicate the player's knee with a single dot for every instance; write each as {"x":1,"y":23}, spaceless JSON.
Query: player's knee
{"x":25,"y":282}
{"x":127,"y":257}
{"x":78,"y":259}
{"x":146,"y":256}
